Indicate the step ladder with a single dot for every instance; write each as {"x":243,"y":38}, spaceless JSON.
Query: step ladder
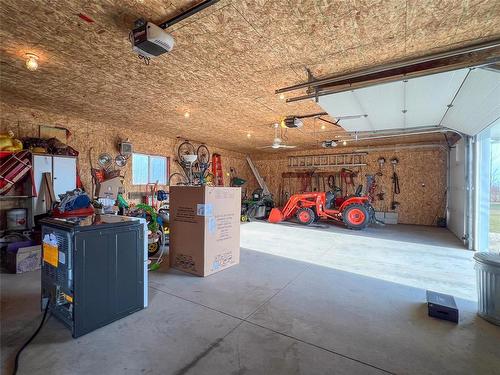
{"x":13,"y":169}
{"x":258,"y":177}
{"x":217,"y":170}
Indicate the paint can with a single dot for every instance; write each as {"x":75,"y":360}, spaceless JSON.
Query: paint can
{"x":17,"y":219}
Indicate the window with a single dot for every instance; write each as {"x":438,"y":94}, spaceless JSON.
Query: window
{"x":149,"y":169}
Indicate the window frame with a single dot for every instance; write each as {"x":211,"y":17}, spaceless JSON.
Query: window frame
{"x":149,"y":156}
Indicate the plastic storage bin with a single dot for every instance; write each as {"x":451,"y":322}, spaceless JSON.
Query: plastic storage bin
{"x":488,"y":286}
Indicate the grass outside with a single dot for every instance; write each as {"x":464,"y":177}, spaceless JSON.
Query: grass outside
{"x":495,"y":217}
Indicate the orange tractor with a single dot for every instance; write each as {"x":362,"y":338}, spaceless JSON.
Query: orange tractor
{"x":354,"y":211}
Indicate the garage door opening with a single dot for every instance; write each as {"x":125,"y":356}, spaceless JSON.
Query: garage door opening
{"x":429,"y":124}
{"x":487,"y":225}
{"x":494,"y":233}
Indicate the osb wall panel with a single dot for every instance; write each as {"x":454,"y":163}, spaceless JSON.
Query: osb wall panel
{"x":421,"y":171}
{"x":92,"y":139}
{"x":227,"y":60}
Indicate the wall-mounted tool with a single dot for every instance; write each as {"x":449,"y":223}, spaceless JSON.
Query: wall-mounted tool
{"x":371,"y":186}
{"x":347,"y":179}
{"x":395,"y":183}
{"x":381,"y":162}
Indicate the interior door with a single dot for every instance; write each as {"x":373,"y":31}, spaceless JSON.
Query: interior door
{"x":41,"y":164}
{"x":64,"y":174}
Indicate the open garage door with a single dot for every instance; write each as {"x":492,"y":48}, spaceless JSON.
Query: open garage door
{"x":464,"y":100}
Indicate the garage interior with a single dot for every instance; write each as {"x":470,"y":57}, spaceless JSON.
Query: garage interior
{"x":250,"y":187}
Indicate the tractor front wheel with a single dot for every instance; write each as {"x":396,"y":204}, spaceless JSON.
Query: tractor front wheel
{"x":356,"y":216}
{"x":305,"y":216}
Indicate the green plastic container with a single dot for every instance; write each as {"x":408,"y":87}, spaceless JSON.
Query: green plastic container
{"x":236,"y":181}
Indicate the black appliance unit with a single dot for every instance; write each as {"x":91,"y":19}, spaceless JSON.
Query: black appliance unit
{"x":92,"y":270}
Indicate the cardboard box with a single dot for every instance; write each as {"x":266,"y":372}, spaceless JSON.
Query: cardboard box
{"x":24,"y":259}
{"x":110,"y":188}
{"x":204,"y":228}
{"x":391,"y":218}
{"x":387,"y":217}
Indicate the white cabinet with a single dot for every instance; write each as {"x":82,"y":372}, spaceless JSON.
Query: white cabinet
{"x":63,"y":172}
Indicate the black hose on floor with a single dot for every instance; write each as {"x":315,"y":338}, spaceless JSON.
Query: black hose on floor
{"x":16,"y":362}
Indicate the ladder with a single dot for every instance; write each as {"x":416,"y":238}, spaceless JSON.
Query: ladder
{"x":330,"y":160}
{"x":258,"y":177}
{"x":14,"y":169}
{"x":217,"y":170}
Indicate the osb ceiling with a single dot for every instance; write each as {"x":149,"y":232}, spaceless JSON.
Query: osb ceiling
{"x":226,"y":63}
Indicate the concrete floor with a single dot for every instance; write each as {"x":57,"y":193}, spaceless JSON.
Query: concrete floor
{"x":419,"y":256}
{"x":351,"y":303}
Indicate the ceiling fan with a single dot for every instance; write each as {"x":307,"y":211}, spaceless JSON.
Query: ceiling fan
{"x":277,"y":142}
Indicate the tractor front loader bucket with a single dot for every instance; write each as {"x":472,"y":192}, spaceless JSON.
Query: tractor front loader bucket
{"x":276,"y":216}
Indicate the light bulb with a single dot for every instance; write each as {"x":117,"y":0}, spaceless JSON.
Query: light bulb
{"x":31,"y":62}
{"x":344,"y":143}
{"x":249,"y":135}
{"x":323,"y":127}
{"x":282,"y":96}
{"x":186,"y":115}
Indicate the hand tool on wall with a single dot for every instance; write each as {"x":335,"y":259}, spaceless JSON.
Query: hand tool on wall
{"x":306,"y":181}
{"x":347,"y":178}
{"x":381,"y":162}
{"x":371,"y":185}
{"x":395,"y":183}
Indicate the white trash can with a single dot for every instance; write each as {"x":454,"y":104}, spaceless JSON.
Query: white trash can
{"x":488,"y":286}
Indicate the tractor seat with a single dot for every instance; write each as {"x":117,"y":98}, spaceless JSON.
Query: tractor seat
{"x":330,"y":200}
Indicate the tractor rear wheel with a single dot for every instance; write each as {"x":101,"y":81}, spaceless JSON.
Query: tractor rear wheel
{"x":356,"y":216}
{"x":305,"y":216}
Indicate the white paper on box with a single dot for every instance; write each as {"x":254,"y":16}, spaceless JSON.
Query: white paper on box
{"x":204,"y":209}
